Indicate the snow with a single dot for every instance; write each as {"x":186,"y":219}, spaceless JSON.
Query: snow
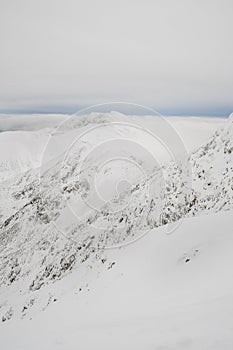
{"x":195,"y":131}
{"x":150,"y":299}
{"x":20,"y":151}
{"x":30,"y":122}
{"x":167,"y":285}
{"x":24,"y":137}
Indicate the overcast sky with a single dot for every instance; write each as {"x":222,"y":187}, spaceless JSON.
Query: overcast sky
{"x":173,"y":55}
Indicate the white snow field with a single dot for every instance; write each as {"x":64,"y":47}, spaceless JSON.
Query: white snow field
{"x":120,"y":240}
{"x":170,"y":292}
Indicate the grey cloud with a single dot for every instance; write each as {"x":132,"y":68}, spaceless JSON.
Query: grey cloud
{"x":164,"y":53}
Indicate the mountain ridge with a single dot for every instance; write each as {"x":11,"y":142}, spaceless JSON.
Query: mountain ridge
{"x":36,"y":253}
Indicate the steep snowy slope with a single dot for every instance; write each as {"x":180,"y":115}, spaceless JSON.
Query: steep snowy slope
{"x":170,"y":292}
{"x":56,"y":221}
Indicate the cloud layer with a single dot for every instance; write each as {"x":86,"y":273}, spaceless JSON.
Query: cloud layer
{"x":172,"y":55}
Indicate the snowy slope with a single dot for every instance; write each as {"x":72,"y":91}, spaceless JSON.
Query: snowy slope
{"x":195,"y":131}
{"x":23,"y":138}
{"x":21,"y":151}
{"x":170,"y":292}
{"x":30,"y":122}
{"x":43,"y":238}
{"x":22,"y":141}
{"x":55,"y":228}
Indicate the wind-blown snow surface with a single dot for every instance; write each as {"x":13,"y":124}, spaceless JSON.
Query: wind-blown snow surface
{"x":166,"y":285}
{"x":164,"y":293}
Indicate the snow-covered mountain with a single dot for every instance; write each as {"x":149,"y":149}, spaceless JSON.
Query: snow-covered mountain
{"x":23,"y":138}
{"x":162,"y":292}
{"x":63,"y":217}
{"x":21,"y":151}
{"x":22,"y":141}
